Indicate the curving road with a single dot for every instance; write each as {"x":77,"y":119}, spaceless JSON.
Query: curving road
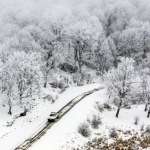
{"x":46,"y":125}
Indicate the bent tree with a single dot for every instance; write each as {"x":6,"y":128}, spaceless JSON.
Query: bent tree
{"x":120,"y":81}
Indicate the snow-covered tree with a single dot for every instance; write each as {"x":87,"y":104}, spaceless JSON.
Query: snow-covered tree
{"x":54,"y":39}
{"x":84,"y":39}
{"x":118,"y":14}
{"x":10,"y":94}
{"x":8,"y":86}
{"x":22,"y":74}
{"x":120,"y":81}
{"x":145,"y":86}
{"x":113,"y":50}
{"x":104,"y":58}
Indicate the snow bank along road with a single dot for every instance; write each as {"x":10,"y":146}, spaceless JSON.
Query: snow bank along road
{"x":46,"y":125}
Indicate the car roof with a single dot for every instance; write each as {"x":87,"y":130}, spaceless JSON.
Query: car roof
{"x":53,"y":112}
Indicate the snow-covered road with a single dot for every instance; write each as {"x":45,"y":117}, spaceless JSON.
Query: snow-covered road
{"x":50,"y":141}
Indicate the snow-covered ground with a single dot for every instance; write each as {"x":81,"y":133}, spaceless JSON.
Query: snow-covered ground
{"x":64,"y":136}
{"x":23,"y":127}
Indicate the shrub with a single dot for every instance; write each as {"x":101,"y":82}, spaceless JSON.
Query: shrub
{"x":142,"y":127}
{"x":88,"y":120}
{"x":84,"y":130}
{"x":53,"y":101}
{"x":10,"y":123}
{"x":136,"y":120}
{"x":99,"y":107}
{"x":78,"y":78}
{"x":96,"y":121}
{"x":48,"y":97}
{"x":127,"y":106}
{"x":113,"y":132}
{"x":54,"y":84}
{"x":133,"y":146}
{"x":89,"y":78}
{"x":147,"y":129}
{"x":26,"y":109}
{"x":61,"y":85}
{"x":106,"y":105}
{"x":68,"y":68}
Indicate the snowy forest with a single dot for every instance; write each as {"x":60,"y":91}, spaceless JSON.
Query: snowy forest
{"x":110,"y":37}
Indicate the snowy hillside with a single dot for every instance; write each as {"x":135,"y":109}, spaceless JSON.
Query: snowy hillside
{"x":64,"y":135}
{"x":25,"y":126}
{"x":52,"y":51}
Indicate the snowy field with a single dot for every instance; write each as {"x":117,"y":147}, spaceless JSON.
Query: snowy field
{"x":23,"y":127}
{"x":64,"y":136}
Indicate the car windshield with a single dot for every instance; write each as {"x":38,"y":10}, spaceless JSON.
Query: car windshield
{"x":52,"y":114}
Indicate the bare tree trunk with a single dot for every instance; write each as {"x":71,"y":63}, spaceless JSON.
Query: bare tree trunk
{"x":80,"y":66}
{"x":144,"y":54}
{"x":45,"y":84}
{"x":148,"y":114}
{"x":117,"y":114}
{"x":20,"y":96}
{"x":10,"y":113}
{"x":145,"y":107}
{"x":31,"y":91}
{"x":46,"y":76}
{"x":80,"y":69}
{"x":115,"y":63}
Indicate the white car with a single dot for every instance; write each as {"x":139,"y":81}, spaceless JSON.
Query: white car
{"x":53,"y":116}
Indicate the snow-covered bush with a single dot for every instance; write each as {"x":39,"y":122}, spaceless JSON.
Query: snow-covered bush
{"x":54,"y":84}
{"x":142,"y":127}
{"x":84,"y":129}
{"x":107,"y":106}
{"x":68,"y":68}
{"x":89,"y":78}
{"x":26,"y":109}
{"x":133,"y":146}
{"x":61,"y":84}
{"x":83,"y":78}
{"x":147,"y":129}
{"x":49,"y":97}
{"x":113,"y":132}
{"x":127,"y":105}
{"x":79,"y":79}
{"x":96,"y":121}
{"x":53,"y":101}
{"x":136,"y":120}
{"x":99,"y":107}
{"x":10,"y":123}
